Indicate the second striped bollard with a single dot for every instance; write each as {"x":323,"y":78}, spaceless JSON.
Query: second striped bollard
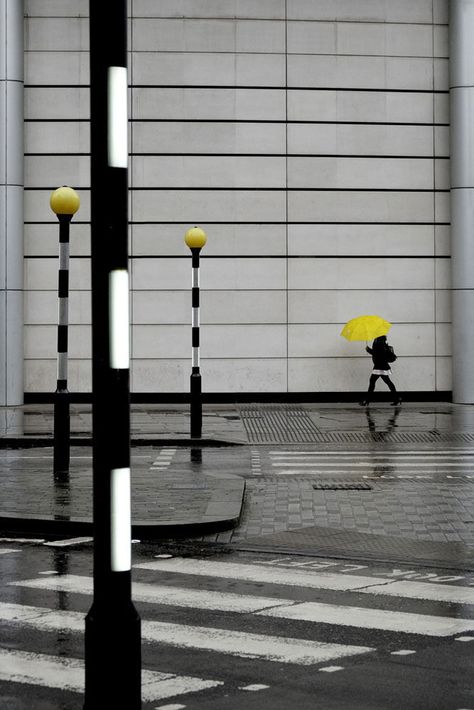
{"x":195,"y":239}
{"x":64,"y":202}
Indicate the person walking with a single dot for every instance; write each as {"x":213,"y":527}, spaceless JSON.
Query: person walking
{"x":382,"y":355}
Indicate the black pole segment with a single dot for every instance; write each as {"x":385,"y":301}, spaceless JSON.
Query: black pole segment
{"x":196,"y":404}
{"x":61,"y":415}
{"x":112,"y":634}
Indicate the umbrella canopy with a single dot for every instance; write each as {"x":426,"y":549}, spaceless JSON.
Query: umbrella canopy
{"x":365,"y":328}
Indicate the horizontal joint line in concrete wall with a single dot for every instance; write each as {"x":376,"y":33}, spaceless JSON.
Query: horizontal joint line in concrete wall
{"x":253,"y":87}
{"x":133,"y":257}
{"x":359,"y":156}
{"x":284,"y":222}
{"x":244,"y":120}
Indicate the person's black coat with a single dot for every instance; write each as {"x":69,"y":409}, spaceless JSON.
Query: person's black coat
{"x":379,"y":354}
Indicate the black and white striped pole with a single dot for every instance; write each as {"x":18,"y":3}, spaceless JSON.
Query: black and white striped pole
{"x":195,"y":239}
{"x":112,"y":633}
{"x":64,"y":202}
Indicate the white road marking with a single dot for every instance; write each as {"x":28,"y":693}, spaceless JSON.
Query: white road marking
{"x":314,"y":579}
{"x":402,"y":652}
{"x":157,"y":594}
{"x":236,"y":643}
{"x":249,"y":645}
{"x":369,"y":452}
{"x":68,"y":674}
{"x":381,"y":619}
{"x":67,"y":542}
{"x":465,"y":638}
{"x":8,"y":550}
{"x":361,"y":464}
{"x":254,"y":687}
{"x":331,"y":669}
{"x":269,"y":606}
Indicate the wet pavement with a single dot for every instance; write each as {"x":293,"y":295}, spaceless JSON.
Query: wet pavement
{"x":260,"y":470}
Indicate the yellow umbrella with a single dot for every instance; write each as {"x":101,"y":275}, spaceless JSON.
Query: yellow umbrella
{"x":365,"y":328}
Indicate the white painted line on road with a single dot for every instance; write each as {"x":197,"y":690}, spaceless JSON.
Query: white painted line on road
{"x":465,"y":638}
{"x":313,"y":579}
{"x":254,"y":687}
{"x":248,"y":645}
{"x":18,"y":540}
{"x":8,"y":550}
{"x":68,"y":674}
{"x":381,"y":619}
{"x":67,"y":542}
{"x":156,"y":594}
{"x":359,"y":464}
{"x":331,"y":669}
{"x":268,"y":606}
{"x":402,"y":652}
{"x":236,"y":643}
{"x":170,"y":707}
{"x":370,"y":452}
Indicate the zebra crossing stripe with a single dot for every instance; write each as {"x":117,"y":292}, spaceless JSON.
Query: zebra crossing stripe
{"x":270,"y":606}
{"x":358,"y":464}
{"x":68,"y":674}
{"x":248,"y":645}
{"x":314,"y":579}
{"x":236,"y":643}
{"x":381,"y":619}
{"x":166,"y":595}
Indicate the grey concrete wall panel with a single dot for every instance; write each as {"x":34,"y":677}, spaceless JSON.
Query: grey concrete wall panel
{"x":309,"y":138}
{"x":266,"y":9}
{"x":361,"y":11}
{"x":57,"y":103}
{"x":207,"y":69}
{"x":209,"y":103}
{"x":462,"y":195}
{"x":11,"y":202}
{"x":199,"y":35}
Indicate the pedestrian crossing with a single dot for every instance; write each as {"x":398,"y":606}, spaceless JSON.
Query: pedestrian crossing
{"x":450,"y":463}
{"x":239,"y":610}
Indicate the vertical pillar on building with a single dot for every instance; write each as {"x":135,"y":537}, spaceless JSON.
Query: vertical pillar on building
{"x":461,"y":32}
{"x":11,"y":202}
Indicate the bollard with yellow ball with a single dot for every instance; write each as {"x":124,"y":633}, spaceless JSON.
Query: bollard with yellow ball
{"x":195,"y":239}
{"x":64,"y":202}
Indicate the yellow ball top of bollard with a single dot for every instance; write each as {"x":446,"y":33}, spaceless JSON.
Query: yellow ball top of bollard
{"x":195,"y":238}
{"x":64,"y":200}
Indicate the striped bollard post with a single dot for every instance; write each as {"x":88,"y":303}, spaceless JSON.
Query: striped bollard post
{"x":112,"y":625}
{"x":195,"y":239}
{"x":64,"y":202}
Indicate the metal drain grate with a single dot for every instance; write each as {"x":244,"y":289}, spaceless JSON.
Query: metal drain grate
{"x":291,"y":424}
{"x":342,"y":486}
{"x":280,"y":424}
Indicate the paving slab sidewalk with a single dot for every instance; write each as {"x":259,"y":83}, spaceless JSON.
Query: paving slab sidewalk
{"x":165,"y":501}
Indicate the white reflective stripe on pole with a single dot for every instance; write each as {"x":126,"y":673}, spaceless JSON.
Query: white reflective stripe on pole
{"x":62,"y":366}
{"x":195,"y":357}
{"x":117,"y":118}
{"x":195,"y":317}
{"x":63,"y":314}
{"x":120,"y":520}
{"x":63,"y":256}
{"x":119,"y":319}
{"x":195,"y":278}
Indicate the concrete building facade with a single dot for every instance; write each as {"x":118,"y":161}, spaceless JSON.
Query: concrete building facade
{"x":309,"y":138}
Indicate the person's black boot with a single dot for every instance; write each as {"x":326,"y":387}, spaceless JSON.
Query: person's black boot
{"x":396,"y":402}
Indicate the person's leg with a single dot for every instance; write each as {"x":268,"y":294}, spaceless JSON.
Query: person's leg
{"x":373,"y":379}
{"x":392,"y":389}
